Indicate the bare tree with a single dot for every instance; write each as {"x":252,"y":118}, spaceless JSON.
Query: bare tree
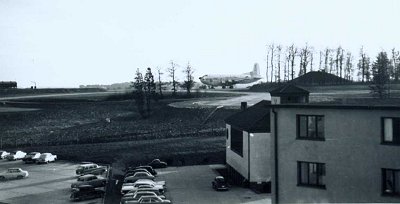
{"x":272,"y":49}
{"x":320,"y":61}
{"x":278,"y":71}
{"x":159,"y":81}
{"x":364,"y":66}
{"x":326,"y":59}
{"x":395,"y":65}
{"x":311,"y":61}
{"x":188,"y":83}
{"x":305,"y":54}
{"x":349,"y":67}
{"x":341,"y":58}
{"x":171,"y":71}
{"x":266,"y":73}
{"x":339,"y":61}
{"x":292,"y":56}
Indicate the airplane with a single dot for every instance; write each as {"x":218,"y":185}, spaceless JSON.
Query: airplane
{"x":230,"y":80}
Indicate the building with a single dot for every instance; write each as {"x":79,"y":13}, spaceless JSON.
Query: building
{"x":8,"y":84}
{"x":335,"y":153}
{"x":289,"y":93}
{"x":248,"y":146}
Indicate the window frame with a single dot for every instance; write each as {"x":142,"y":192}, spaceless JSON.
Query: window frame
{"x":233,"y":147}
{"x":317,"y":138}
{"x":308,"y":184}
{"x":383,"y":142}
{"x":383,"y":185}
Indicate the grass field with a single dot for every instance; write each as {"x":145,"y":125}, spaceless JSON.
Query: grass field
{"x":110,"y":130}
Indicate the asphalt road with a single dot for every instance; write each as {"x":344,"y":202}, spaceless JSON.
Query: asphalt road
{"x":46,"y":183}
{"x":228,"y":102}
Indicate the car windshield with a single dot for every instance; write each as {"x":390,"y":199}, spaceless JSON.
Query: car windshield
{"x":13,"y":152}
{"x":32,"y":153}
{"x":43,"y":156}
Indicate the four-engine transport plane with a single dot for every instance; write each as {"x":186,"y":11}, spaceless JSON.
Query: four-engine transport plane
{"x":230,"y":80}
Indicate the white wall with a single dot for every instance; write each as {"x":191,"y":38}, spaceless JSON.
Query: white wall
{"x":260,"y":170}
{"x":260,"y":157}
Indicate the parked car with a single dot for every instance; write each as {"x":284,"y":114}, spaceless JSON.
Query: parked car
{"x":158,"y":185}
{"x":149,"y":200}
{"x":157,"y":163}
{"x":90,"y":168}
{"x":13,"y":173}
{"x":89,"y":179}
{"x":220,"y":183}
{"x":132,"y":172}
{"x":31,"y":157}
{"x":137,"y":176}
{"x":3,"y":154}
{"x":138,"y":195}
{"x":148,"y":168}
{"x":86,"y":192}
{"x":147,"y":188}
{"x":46,"y":158}
{"x":15,"y":155}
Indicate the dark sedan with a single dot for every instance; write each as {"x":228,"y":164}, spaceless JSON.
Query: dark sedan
{"x":86,"y":192}
{"x":156,"y":163}
{"x":220,"y":183}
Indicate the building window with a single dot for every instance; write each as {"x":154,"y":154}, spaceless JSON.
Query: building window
{"x":227,"y":133}
{"x":237,"y":141}
{"x":391,"y":182}
{"x":310,"y":127}
{"x":310,"y":174}
{"x":391,"y":130}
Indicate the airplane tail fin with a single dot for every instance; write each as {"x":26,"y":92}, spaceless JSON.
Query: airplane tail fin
{"x":256,"y":71}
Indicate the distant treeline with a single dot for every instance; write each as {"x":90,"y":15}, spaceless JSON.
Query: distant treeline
{"x":284,"y":63}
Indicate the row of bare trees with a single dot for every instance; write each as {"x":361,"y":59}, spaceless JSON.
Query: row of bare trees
{"x":145,"y":87}
{"x":286,"y":63}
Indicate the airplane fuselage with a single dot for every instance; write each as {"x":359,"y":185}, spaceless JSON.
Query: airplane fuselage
{"x":227,"y":80}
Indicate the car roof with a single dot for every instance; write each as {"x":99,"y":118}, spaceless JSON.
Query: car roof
{"x":87,"y":175}
{"x":85,"y":165}
{"x":15,"y":169}
{"x":138,"y":173}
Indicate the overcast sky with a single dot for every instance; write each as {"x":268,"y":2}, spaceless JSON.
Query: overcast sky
{"x":66,"y":43}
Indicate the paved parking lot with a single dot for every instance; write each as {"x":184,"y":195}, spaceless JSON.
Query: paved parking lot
{"x":192,"y":184}
{"x":47,"y":183}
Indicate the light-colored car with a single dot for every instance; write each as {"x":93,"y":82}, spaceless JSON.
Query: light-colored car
{"x":46,"y":158}
{"x":138,"y":195}
{"x":158,"y":185}
{"x":149,"y":200}
{"x":137,"y":176}
{"x":15,"y":155}
{"x":3,"y":154}
{"x":89,"y":179}
{"x":31,"y":157}
{"x":13,"y":173}
{"x":132,"y":172}
{"x":90,"y":168}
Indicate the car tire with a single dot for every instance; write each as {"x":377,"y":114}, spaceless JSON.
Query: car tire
{"x":20,"y":177}
{"x":2,"y":178}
